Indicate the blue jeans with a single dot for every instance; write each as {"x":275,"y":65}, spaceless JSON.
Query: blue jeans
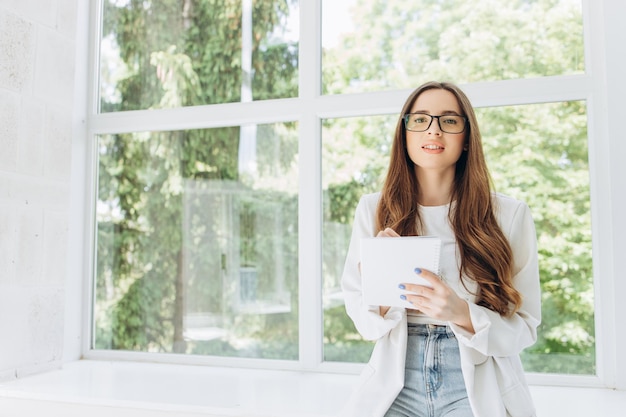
{"x":433,"y":381}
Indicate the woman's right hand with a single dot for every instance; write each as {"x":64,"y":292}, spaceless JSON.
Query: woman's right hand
{"x":388,"y":232}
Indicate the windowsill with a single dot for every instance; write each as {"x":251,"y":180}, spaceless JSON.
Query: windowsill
{"x":99,"y":388}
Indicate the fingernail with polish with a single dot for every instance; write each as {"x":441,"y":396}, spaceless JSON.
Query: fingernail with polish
{"x":418,"y":271}
{"x":403,"y":297}
{"x":401,"y":286}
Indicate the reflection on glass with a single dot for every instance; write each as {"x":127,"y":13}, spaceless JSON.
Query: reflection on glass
{"x":537,"y":153}
{"x":377,"y":45}
{"x":168,"y":53}
{"x":197,"y":242}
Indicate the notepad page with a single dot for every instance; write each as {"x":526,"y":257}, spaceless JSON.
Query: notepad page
{"x":387,"y":262}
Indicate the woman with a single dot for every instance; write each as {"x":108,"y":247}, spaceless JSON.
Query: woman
{"x":456,"y":353}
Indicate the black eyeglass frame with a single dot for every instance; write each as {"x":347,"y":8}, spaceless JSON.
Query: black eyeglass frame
{"x":406,"y":121}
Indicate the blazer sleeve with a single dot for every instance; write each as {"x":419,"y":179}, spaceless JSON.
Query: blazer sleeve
{"x":496,"y":335}
{"x":367,"y":319}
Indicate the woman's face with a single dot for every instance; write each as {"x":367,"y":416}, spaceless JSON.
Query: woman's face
{"x":434,"y":149}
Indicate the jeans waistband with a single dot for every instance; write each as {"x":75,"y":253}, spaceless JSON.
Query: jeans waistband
{"x":429,"y":329}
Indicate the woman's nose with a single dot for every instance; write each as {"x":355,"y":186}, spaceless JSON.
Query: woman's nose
{"x":434,"y":127}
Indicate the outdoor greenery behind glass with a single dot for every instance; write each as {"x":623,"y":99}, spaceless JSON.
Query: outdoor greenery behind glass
{"x":197,"y":229}
{"x":375,"y":45}
{"x":171,"y":53}
{"x":197,"y":242}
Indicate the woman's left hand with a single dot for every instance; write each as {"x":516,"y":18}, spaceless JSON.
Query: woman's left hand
{"x":439,"y":302}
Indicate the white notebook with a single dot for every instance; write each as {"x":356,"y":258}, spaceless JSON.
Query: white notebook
{"x":387,"y":262}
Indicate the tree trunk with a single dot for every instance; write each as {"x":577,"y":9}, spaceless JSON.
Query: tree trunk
{"x":180,"y":345}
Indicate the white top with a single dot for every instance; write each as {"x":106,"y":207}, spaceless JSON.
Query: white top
{"x":436,"y":223}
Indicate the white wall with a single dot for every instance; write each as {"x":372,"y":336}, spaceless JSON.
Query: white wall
{"x":37,"y":68}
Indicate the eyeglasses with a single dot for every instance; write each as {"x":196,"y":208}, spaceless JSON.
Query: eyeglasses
{"x":448,"y":123}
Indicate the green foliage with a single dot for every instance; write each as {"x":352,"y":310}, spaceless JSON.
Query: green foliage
{"x":341,"y":340}
{"x":343,"y":198}
{"x":400,"y":44}
{"x":538,"y":153}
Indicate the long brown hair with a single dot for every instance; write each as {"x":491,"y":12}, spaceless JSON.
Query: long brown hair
{"x":486,"y":255}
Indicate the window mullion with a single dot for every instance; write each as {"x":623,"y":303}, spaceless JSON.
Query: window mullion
{"x":310,"y":217}
{"x":608,"y":178}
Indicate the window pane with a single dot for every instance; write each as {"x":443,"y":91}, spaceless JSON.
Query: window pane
{"x":537,"y":153}
{"x":354,"y":161}
{"x":389,"y":44}
{"x":168,"y":53}
{"x":197,"y":242}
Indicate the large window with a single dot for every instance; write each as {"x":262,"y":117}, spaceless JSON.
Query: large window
{"x":232,"y":140}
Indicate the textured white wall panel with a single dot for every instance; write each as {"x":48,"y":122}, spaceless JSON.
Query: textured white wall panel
{"x":37,"y":61}
{"x":8,"y":236}
{"x":16,"y":51}
{"x":8,"y":131}
{"x":58,"y":143}
{"x":54,"y":68}
{"x":30,"y":133}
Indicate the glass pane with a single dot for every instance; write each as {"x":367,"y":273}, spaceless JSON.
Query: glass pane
{"x":197,"y":237}
{"x":537,"y":153}
{"x":170,"y":53}
{"x":353,"y":157}
{"x":390,"y":44}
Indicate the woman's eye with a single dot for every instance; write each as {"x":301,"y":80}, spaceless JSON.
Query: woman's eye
{"x":450,"y":121}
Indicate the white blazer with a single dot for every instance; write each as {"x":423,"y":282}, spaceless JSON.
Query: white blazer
{"x":492,"y":369}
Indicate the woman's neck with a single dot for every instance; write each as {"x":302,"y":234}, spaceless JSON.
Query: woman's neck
{"x":435,"y":188}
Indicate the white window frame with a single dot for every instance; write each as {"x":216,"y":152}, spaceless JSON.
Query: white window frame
{"x":603,"y":87}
